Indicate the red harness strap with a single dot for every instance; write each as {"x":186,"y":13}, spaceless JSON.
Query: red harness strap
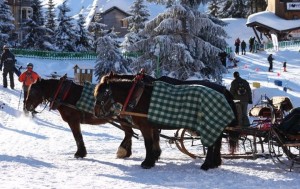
{"x":61,"y":81}
{"x":67,"y":90}
{"x":137,"y":79}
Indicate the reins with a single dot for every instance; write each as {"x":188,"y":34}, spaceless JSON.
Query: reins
{"x":38,"y":112}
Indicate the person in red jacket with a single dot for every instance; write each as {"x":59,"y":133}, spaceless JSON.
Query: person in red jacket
{"x":27,"y":78}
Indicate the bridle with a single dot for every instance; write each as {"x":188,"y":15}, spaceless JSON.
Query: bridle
{"x":44,"y":100}
{"x":105,"y":102}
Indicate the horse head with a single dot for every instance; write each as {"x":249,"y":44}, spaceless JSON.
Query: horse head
{"x":35,"y":95}
{"x":103,"y":95}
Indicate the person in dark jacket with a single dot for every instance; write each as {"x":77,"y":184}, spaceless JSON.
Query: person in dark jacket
{"x":8,"y":63}
{"x":237,"y":44}
{"x":270,"y":60}
{"x":251,"y":44}
{"x":241,"y":91}
{"x":243,"y":47}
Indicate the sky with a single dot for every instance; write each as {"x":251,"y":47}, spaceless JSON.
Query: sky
{"x":39,"y":152}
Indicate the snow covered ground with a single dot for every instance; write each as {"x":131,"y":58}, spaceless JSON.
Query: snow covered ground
{"x":38,"y":152}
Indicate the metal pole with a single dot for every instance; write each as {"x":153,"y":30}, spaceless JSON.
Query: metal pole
{"x":20,"y":98}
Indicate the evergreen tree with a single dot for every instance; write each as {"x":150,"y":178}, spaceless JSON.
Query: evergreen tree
{"x":6,"y":23}
{"x":65,"y":35}
{"x":84,"y":41}
{"x":36,"y":37}
{"x":109,"y":56}
{"x":234,"y":8}
{"x":213,"y":8}
{"x":50,"y":17}
{"x":182,"y":43}
{"x":96,"y":30}
{"x":136,"y":22}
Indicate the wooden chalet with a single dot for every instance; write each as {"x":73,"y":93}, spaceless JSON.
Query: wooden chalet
{"x":113,"y":18}
{"x":21,"y":10}
{"x":282,"y":17}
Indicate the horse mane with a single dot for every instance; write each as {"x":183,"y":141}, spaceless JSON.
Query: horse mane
{"x":114,"y":78}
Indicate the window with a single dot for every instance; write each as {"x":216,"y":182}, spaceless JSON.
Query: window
{"x":124,"y":23}
{"x":26,"y":13}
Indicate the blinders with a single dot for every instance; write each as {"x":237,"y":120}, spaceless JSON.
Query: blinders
{"x":105,"y":102}
{"x":34,"y":97}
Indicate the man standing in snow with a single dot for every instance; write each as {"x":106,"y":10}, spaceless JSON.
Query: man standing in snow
{"x":270,"y":60}
{"x":241,"y":91}
{"x":28,"y":77}
{"x":237,"y":46}
{"x":8,"y":62}
{"x":243,"y":47}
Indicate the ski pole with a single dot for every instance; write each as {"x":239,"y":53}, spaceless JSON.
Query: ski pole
{"x":20,"y":98}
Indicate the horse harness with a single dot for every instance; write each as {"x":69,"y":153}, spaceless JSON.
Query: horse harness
{"x":105,"y":99}
{"x":61,"y":93}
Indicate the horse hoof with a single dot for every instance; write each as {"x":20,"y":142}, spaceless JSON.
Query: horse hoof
{"x":204,"y":167}
{"x":147,"y":166}
{"x":123,"y":153}
{"x":76,"y":155}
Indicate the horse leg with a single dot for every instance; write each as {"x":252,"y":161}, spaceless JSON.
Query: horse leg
{"x":81,"y":150}
{"x":208,"y":163}
{"x":213,"y":157}
{"x":150,"y":159}
{"x":124,"y":149}
{"x":217,"y":152}
{"x":156,"y":146}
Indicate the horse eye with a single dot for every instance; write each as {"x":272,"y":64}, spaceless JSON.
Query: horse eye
{"x":102,"y":103}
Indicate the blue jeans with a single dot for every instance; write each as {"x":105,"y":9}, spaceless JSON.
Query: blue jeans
{"x":242,"y":111}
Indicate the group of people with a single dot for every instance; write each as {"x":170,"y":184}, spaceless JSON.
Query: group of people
{"x":237,"y":45}
{"x":7,"y":65}
{"x":253,"y":45}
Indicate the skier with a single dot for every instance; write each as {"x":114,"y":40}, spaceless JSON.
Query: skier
{"x":28,"y":77}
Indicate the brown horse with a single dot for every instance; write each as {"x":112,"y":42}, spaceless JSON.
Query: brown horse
{"x":45,"y":90}
{"x":112,"y":90}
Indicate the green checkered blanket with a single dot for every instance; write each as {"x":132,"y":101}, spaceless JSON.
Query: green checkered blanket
{"x":87,"y":99}
{"x":196,"y":107}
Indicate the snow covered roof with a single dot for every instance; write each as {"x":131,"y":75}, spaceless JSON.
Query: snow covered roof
{"x":270,"y":20}
{"x":115,"y":7}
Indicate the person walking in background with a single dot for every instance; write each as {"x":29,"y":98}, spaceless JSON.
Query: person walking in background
{"x":243,"y":47}
{"x":251,"y":44}
{"x":8,"y":63}
{"x":241,"y":91}
{"x":27,"y":78}
{"x":284,"y":66}
{"x":270,"y":60}
{"x":237,"y":45}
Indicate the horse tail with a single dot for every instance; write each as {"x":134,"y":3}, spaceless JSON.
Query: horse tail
{"x":233,"y":136}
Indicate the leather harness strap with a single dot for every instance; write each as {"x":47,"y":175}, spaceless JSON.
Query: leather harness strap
{"x":60,"y":84}
{"x":138,"y":78}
